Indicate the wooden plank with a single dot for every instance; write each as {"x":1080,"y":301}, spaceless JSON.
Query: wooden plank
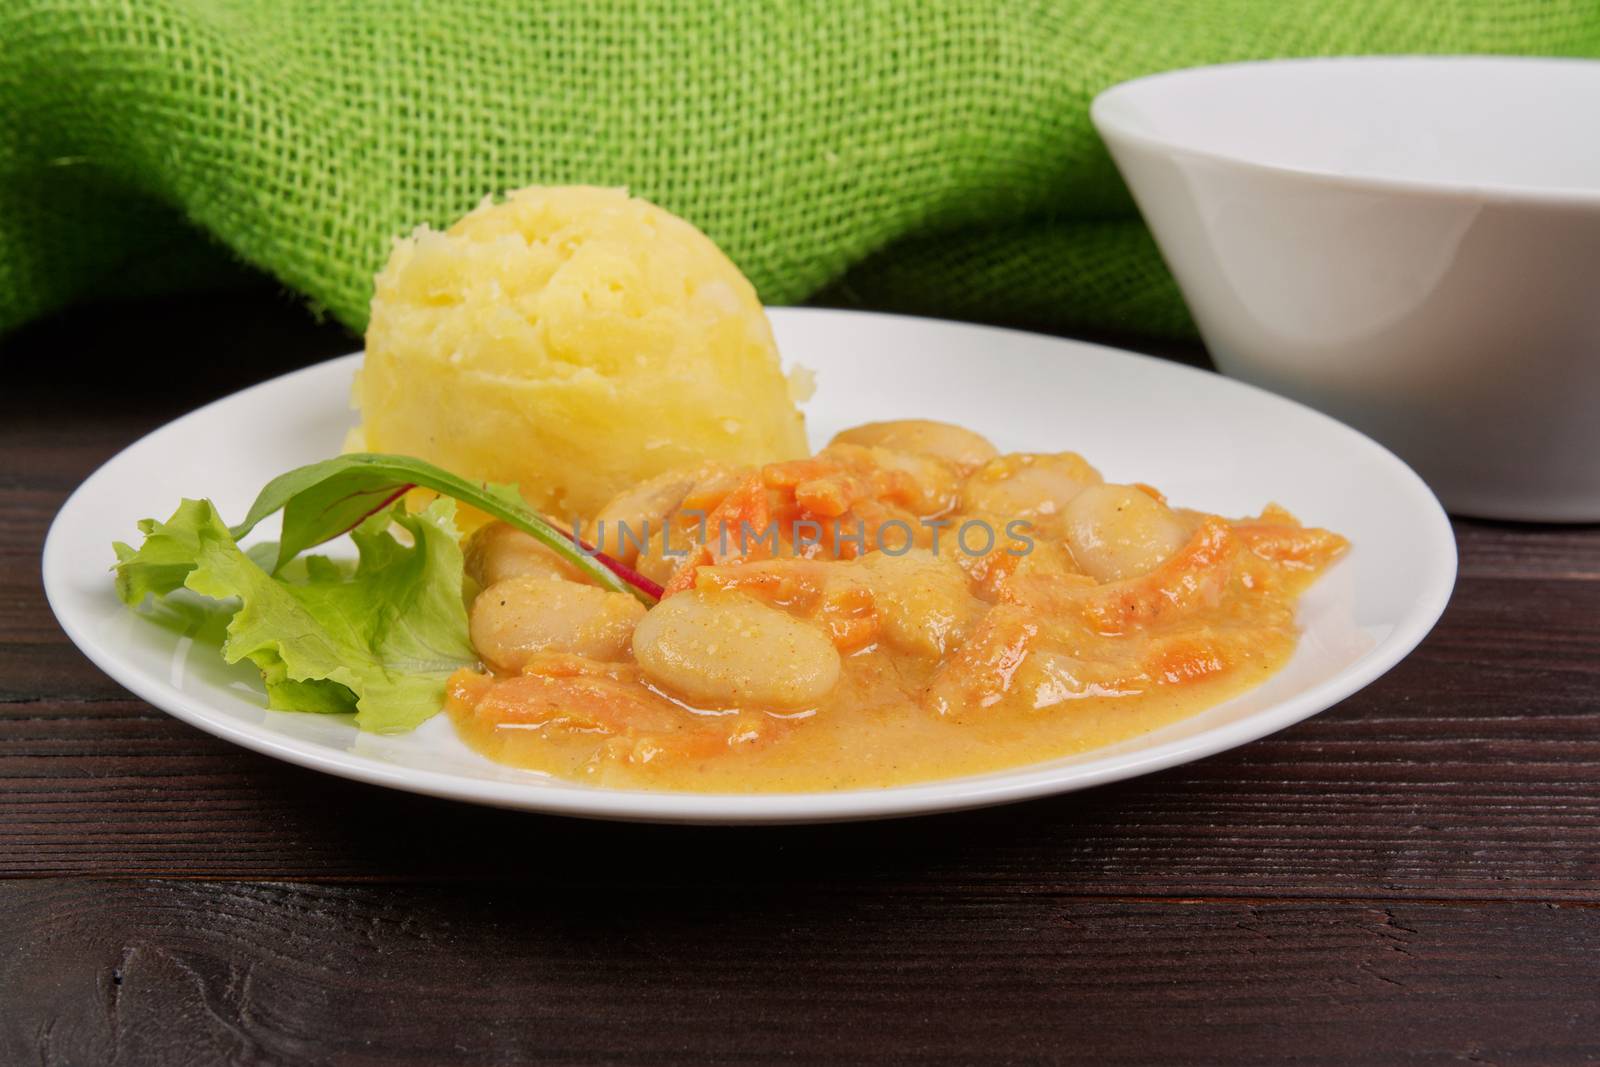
{"x":1492,"y":549}
{"x":119,"y":972}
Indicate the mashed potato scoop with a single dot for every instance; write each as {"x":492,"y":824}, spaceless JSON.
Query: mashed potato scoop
{"x":573,"y":340}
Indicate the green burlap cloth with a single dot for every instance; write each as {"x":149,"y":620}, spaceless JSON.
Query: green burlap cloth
{"x":910,"y":154}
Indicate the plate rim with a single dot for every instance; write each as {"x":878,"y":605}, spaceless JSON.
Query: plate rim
{"x":557,"y":797}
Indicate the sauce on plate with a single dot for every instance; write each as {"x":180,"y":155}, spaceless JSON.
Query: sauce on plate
{"x":905,"y":605}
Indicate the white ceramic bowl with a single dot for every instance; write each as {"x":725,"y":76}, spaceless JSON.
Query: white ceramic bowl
{"x":1409,"y":244}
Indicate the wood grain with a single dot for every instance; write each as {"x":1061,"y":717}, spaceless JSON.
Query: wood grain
{"x":153,"y":971}
{"x":1412,"y":876}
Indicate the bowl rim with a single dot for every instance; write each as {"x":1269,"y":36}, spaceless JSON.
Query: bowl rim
{"x":1113,"y":127}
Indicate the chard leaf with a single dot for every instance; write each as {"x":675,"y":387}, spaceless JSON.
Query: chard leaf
{"x":323,"y":500}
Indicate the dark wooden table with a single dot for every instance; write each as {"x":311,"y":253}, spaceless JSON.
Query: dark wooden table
{"x":1410,"y":877}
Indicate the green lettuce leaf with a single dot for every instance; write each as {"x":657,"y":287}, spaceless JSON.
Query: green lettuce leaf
{"x":378,"y":638}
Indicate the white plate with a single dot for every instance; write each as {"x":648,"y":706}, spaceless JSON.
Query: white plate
{"x":1205,"y":440}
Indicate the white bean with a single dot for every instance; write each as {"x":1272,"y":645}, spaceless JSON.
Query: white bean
{"x":1120,"y":531}
{"x":723,"y":649}
{"x":957,"y":446}
{"x":514,"y":619}
{"x":634,"y":515}
{"x":499,"y":551}
{"x":1022,"y":485}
